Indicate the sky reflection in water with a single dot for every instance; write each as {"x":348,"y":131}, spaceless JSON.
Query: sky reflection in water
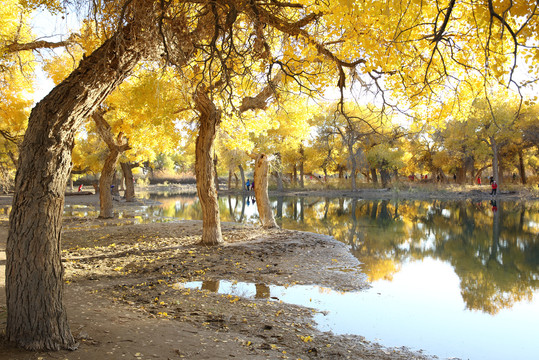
{"x":452,"y":278}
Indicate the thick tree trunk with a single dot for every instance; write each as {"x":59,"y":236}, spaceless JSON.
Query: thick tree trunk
{"x":295,"y":175}
{"x":521,"y":168}
{"x":384,"y":175}
{"x":261,"y":192}
{"x":127,"y":169}
{"x":209,"y":120}
{"x":229,"y":180}
{"x":461,"y":175}
{"x":36,"y":317}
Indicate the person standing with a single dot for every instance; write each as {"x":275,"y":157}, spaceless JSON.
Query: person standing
{"x":494,"y":186}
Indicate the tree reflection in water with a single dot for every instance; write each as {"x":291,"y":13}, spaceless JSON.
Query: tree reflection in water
{"x":492,"y":247}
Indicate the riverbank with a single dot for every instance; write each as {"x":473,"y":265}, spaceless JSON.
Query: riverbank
{"x":125,"y":298}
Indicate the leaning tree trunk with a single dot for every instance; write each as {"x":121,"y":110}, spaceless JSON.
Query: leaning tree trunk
{"x":127,"y":169}
{"x":116,"y":148}
{"x":261,"y":191}
{"x":36,"y":316}
{"x":209,"y":120}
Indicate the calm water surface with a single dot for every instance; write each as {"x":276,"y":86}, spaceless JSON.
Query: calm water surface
{"x":454,"y":278}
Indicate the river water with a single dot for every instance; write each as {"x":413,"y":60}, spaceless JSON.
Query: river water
{"x":452,"y":278}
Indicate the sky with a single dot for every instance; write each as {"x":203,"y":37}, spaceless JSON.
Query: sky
{"x":50,"y":28}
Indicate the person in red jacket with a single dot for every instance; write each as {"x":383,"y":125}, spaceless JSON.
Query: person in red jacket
{"x":494,"y":186}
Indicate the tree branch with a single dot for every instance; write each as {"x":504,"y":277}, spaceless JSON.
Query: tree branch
{"x":35,"y":45}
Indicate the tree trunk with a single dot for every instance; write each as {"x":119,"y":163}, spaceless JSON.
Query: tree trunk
{"x":236,"y":181}
{"x":384,"y":175}
{"x":326,"y":177}
{"x":341,"y":171}
{"x":301,"y":172}
{"x":279,"y":172}
{"x":229,"y":186}
{"x":115,"y":189}
{"x":521,"y":168}
{"x":108,"y":173}
{"x":106,"y":210}
{"x":261,"y":192}
{"x":352,"y":167}
{"x":295,"y":175}
{"x":494,"y":148}
{"x":127,"y":169}
{"x":461,"y":175}
{"x":36,"y":317}
{"x":242,"y":175}
{"x":121,"y":185}
{"x":216,"y":176}
{"x":374,"y":176}
{"x":209,"y":120}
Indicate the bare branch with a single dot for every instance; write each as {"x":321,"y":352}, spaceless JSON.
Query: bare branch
{"x":35,"y":45}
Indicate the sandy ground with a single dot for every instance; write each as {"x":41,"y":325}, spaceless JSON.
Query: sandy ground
{"x":125,"y":298}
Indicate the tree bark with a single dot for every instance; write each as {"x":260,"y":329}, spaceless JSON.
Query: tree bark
{"x":374,"y":176}
{"x":209,"y":120}
{"x":242,"y":174}
{"x":116,"y":148}
{"x":301,"y":171}
{"x":352,"y":167}
{"x":279,"y":172}
{"x":494,"y":148}
{"x":521,"y":167}
{"x":36,"y":316}
{"x":229,"y":179}
{"x":216,"y":176}
{"x":384,"y":175}
{"x":127,"y":169}
{"x":261,"y":192}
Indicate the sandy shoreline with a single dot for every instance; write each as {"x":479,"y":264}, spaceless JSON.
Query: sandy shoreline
{"x":122,"y":299}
